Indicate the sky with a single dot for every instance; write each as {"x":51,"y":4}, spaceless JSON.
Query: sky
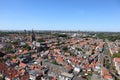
{"x":82,"y":15}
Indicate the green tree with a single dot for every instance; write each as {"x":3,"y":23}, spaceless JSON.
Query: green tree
{"x":1,"y":78}
{"x":41,"y":40}
{"x":116,"y":55}
{"x":93,"y":51}
{"x":65,"y":49}
{"x":27,"y":47}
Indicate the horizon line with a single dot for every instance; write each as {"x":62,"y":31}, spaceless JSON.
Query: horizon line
{"x":60,"y":30}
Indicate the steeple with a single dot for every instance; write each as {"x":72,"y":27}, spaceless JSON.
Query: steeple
{"x":33,"y":36}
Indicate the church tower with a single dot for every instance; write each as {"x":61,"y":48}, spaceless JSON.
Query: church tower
{"x":33,"y":36}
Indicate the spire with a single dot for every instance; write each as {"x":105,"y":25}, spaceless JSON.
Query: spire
{"x":33,"y":36}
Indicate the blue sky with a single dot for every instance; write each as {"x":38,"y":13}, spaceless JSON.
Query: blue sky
{"x":85,"y":15}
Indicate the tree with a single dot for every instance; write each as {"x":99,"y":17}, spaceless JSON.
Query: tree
{"x":116,"y":55}
{"x":72,"y":54}
{"x":108,"y":36}
{"x":65,"y":49}
{"x":93,"y":51}
{"x":2,"y":60}
{"x":79,"y":49}
{"x":1,"y":78}
{"x":15,"y":43}
{"x":41,"y":40}
{"x":27,"y":47}
{"x":119,"y":50}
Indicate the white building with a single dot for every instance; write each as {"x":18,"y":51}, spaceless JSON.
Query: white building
{"x":65,"y":76}
{"x":117,"y":64}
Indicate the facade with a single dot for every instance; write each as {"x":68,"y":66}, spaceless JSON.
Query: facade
{"x":117,"y":64}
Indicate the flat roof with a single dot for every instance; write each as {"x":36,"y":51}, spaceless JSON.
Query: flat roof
{"x":67,"y":74}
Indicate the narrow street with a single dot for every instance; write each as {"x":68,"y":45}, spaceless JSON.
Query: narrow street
{"x":107,"y":53}
{"x":95,"y":77}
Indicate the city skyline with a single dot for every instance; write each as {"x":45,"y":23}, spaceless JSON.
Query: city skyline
{"x":83,"y":15}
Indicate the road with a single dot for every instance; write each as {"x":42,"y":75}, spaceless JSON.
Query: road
{"x":95,"y":77}
{"x":107,"y":49}
{"x":101,"y":57}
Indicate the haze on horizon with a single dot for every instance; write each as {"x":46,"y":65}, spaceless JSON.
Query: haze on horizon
{"x":84,"y":15}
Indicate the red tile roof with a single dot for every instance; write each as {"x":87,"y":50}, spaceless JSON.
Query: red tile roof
{"x":68,"y":67}
{"x":22,"y":64}
{"x":11,"y":73}
{"x":60,"y":59}
{"x":106,"y":73}
{"x":14,"y":60}
{"x":21,"y":71}
{"x":67,"y":53}
{"x":117,"y":59}
{"x":25,"y":51}
{"x":54,"y":78}
{"x":25,"y":77}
